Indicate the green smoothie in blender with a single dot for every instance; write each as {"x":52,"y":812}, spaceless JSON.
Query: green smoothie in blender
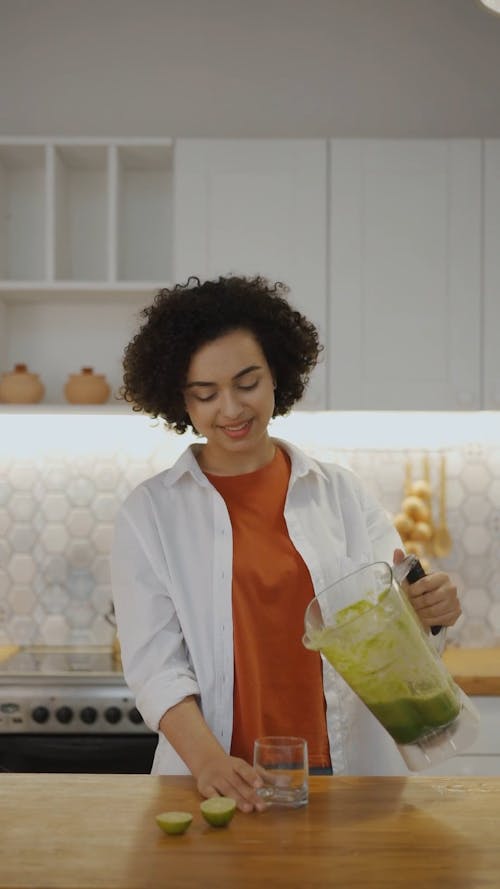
{"x":379,"y":648}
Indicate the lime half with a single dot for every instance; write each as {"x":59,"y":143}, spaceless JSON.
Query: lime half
{"x":218,"y":810}
{"x":174,"y":822}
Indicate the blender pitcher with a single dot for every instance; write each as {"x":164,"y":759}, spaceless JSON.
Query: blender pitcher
{"x":365,"y":626}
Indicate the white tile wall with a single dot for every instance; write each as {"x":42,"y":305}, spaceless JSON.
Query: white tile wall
{"x":57,"y":509}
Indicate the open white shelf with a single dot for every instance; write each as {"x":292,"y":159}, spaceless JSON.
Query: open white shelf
{"x":23,"y":215}
{"x":13,"y":292}
{"x":85,"y":210}
{"x":86,"y":233}
{"x":143,"y":211}
{"x":78,"y":183}
{"x":47,"y":409}
{"x":56,"y":338}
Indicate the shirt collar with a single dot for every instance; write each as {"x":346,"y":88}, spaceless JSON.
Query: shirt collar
{"x":187,"y":463}
{"x":302,"y":464}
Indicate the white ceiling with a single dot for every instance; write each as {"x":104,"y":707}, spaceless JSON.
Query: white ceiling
{"x":348,"y":68}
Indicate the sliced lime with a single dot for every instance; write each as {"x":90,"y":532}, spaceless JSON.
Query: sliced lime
{"x":174,"y":822}
{"x":218,"y":810}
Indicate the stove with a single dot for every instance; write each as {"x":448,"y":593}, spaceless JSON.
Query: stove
{"x":68,"y":691}
{"x":70,"y":710}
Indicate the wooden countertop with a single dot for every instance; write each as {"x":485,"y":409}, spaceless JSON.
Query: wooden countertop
{"x":6,"y":651}
{"x":476,"y":670}
{"x":82,"y":831}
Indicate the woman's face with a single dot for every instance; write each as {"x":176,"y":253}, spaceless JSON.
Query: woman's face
{"x":229,"y":396}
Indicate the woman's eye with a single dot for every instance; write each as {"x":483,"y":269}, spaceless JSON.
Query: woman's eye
{"x":240,"y":387}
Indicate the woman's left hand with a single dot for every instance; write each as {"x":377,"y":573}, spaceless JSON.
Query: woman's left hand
{"x":434,"y":597}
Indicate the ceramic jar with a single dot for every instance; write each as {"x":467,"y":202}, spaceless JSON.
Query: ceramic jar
{"x":87,"y":387}
{"x":21,"y":387}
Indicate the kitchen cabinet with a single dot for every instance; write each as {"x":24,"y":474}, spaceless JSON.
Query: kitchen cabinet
{"x":390,"y":246}
{"x":491,"y":352}
{"x":405,"y":274}
{"x":85,"y":240}
{"x":257,"y":206}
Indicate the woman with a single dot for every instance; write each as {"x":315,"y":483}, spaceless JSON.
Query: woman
{"x":215,"y":559}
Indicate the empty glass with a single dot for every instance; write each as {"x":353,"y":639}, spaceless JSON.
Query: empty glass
{"x":282,"y":763}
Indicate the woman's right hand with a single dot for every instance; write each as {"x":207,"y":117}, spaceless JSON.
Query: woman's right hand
{"x":215,"y":772}
{"x":225,"y":775}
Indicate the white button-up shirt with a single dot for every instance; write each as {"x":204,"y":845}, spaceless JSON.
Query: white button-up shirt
{"x":172,"y":584}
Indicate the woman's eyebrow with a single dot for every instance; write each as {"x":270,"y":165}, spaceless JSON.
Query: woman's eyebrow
{"x":246,"y":370}
{"x":241,"y":373}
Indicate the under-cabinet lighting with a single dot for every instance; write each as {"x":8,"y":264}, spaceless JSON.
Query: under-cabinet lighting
{"x":390,"y":430}
{"x":34,"y":435}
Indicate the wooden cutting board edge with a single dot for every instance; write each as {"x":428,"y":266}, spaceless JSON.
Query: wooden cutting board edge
{"x":475,"y":670}
{"x":7,"y":650}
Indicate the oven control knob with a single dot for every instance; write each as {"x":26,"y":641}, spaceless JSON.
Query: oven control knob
{"x":113,"y":715}
{"x":134,"y":716}
{"x":88,"y":715}
{"x":64,"y":715}
{"x":40,"y":715}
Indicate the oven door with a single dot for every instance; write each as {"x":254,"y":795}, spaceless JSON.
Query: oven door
{"x":90,"y":754}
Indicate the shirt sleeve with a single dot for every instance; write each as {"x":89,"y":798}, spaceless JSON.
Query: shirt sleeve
{"x":383,"y":536}
{"x":154,"y":655}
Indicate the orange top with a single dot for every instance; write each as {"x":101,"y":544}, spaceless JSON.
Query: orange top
{"x":278,"y":684}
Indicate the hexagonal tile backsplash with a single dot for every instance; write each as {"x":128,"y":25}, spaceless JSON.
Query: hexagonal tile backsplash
{"x":57,"y":511}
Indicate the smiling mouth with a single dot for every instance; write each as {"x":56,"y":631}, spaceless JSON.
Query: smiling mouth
{"x":236,"y":431}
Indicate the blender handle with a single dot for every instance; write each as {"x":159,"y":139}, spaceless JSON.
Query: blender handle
{"x":414,"y":574}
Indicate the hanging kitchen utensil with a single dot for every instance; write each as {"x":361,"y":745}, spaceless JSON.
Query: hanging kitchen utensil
{"x":442,"y":542}
{"x":408,"y":478}
{"x":426,"y":471}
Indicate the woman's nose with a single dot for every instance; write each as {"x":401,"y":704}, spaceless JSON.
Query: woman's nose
{"x":230,"y":405}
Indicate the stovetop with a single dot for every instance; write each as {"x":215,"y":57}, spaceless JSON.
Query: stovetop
{"x":47,"y":690}
{"x":77,"y":664}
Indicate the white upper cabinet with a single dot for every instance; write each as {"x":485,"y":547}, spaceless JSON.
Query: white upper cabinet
{"x":391,"y":247}
{"x":405,"y":274}
{"x":256,"y":207}
{"x":491,"y":361}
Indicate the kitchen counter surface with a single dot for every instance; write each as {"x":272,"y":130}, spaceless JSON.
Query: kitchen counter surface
{"x":82,"y":831}
{"x":6,"y":651}
{"x":476,"y":670}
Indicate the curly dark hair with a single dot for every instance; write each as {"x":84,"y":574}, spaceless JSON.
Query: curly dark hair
{"x":183,"y":318}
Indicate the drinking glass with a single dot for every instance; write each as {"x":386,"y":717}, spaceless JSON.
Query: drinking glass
{"x":282,"y":763}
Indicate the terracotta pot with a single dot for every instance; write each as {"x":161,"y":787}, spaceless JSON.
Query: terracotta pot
{"x":21,"y":387}
{"x":87,"y":388}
